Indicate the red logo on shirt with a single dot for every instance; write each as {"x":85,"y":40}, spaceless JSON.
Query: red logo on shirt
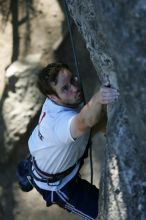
{"x":43,"y":115}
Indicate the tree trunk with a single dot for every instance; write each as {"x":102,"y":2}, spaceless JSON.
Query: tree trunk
{"x":115,"y":34}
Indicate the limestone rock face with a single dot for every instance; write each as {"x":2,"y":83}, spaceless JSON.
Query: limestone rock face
{"x":115,"y":34}
{"x":21,"y":104}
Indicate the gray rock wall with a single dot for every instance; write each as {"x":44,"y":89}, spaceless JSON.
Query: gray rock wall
{"x":115,"y":34}
{"x":20,"y":103}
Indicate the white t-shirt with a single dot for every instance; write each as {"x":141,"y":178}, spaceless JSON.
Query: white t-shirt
{"x":55,"y":151}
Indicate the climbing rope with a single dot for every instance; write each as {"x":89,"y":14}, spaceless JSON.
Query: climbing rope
{"x":72,"y":41}
{"x":79,"y":78}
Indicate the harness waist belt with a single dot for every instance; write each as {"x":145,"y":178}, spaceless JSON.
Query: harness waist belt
{"x":52,"y":177}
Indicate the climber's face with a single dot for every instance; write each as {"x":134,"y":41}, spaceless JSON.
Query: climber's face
{"x":68,"y":90}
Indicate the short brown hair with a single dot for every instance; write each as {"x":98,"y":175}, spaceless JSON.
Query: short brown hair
{"x":48,"y":75}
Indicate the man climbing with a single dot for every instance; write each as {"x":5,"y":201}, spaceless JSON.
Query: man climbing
{"x":58,"y":142}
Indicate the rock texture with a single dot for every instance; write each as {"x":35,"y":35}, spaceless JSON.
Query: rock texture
{"x":115,"y":33}
{"x":21,"y":102}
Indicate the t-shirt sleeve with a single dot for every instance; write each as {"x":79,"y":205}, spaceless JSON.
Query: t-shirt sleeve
{"x":62,"y":127}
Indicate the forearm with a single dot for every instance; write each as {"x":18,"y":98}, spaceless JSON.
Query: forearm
{"x":90,"y":113}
